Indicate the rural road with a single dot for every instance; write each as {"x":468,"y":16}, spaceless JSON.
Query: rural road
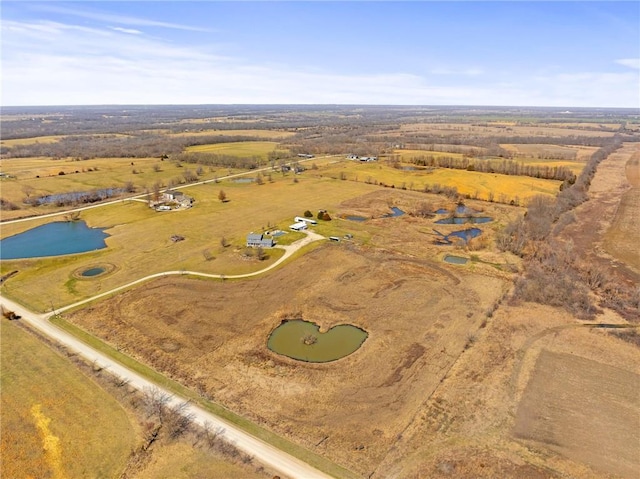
{"x":261,"y":451}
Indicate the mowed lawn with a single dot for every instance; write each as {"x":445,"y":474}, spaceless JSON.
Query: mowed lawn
{"x":47,"y":401}
{"x":140,"y":242}
{"x":481,"y":185}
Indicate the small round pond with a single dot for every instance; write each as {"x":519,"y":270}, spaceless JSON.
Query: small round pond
{"x":302,"y":340}
{"x":455,"y":259}
{"x":88,"y":273}
{"x":355,"y":218}
{"x":53,"y":239}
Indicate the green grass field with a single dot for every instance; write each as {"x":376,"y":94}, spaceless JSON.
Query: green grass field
{"x":56,"y":422}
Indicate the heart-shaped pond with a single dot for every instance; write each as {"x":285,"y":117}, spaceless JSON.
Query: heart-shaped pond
{"x":302,"y":340}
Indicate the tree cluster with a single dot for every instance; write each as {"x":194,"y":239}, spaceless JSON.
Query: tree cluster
{"x":553,"y":274}
{"x":73,"y":198}
{"x":502,"y":167}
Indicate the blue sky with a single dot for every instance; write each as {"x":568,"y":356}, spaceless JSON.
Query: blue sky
{"x":571,"y":53}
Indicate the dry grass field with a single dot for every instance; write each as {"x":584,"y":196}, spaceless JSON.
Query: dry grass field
{"x":419,"y":316}
{"x":587,"y":419}
{"x":242,"y":148}
{"x":30,"y":141}
{"x":606,"y":228}
{"x":455,"y":379}
{"x":504,"y":188}
{"x":180,"y":460}
{"x":623,"y":238}
{"x":469,"y":428}
{"x":533,"y":150}
{"x":55,"y":421}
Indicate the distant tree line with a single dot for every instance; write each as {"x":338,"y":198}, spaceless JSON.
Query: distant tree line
{"x":142,"y":145}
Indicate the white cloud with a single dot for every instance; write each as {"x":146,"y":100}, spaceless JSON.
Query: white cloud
{"x":630,"y":62}
{"x":457,"y":72}
{"x":121,"y":19}
{"x":130,"y":31}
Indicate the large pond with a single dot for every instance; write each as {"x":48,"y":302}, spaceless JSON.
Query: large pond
{"x":53,"y":239}
{"x":302,"y":340}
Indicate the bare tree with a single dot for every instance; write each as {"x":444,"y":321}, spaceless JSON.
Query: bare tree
{"x":28,"y":190}
{"x":155,"y":195}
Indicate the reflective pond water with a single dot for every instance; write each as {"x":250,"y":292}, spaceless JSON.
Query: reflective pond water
{"x":53,"y":239}
{"x":455,"y":259}
{"x":92,"y":272}
{"x":460,"y":220}
{"x":302,"y":340}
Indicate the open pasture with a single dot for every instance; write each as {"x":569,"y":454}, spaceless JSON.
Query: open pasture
{"x":213,"y":336}
{"x":140,"y":242}
{"x":241,"y":148}
{"x":63,"y":428}
{"x":504,"y":188}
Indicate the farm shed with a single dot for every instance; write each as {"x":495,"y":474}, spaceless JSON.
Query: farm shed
{"x":300,"y":219}
{"x":255,"y":240}
{"x":299,"y":226}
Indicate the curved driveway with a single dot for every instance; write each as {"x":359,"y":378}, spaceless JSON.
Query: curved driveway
{"x":263,"y":452}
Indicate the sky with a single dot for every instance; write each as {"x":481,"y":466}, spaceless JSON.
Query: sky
{"x":505,"y":53}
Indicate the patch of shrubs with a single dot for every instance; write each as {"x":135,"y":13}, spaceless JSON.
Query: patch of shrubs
{"x":6,"y":205}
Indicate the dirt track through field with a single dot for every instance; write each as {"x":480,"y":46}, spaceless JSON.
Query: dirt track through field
{"x":606,"y":230}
